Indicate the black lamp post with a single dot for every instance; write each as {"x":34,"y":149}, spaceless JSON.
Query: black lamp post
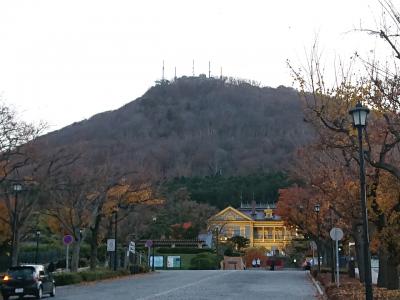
{"x":317,"y":209}
{"x":153,"y":245}
{"x":37,"y":246}
{"x":17,"y":187}
{"x":115,"y":237}
{"x":216,"y":239}
{"x":359,"y":114}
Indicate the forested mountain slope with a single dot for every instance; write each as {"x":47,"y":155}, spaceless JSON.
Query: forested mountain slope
{"x":193,"y":126}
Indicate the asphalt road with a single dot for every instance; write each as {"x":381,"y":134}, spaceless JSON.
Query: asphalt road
{"x":197,"y":285}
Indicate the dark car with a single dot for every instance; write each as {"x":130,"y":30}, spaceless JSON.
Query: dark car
{"x":27,"y":280}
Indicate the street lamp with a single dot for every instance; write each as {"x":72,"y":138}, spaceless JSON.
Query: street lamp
{"x":317,"y":209}
{"x":17,"y":187}
{"x":216,"y":239}
{"x":115,"y":237}
{"x":152,"y":258}
{"x":37,"y":246}
{"x":359,"y":114}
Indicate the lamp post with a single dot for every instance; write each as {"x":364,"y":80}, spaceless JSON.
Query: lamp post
{"x":115,"y":237}
{"x":317,"y":209}
{"x":359,"y":115}
{"x":37,"y":246}
{"x":216,"y":239}
{"x":152,"y":257}
{"x":17,"y":187}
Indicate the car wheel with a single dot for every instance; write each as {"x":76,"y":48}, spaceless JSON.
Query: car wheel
{"x":39,"y":293}
{"x":53,"y":291}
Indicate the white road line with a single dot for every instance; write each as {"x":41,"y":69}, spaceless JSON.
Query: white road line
{"x":185,"y":286}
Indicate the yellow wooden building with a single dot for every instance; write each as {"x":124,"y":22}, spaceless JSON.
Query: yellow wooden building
{"x":257,"y":222}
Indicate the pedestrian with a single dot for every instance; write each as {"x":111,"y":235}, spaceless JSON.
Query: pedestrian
{"x":254,"y":263}
{"x":51,"y":268}
{"x":258,"y":262}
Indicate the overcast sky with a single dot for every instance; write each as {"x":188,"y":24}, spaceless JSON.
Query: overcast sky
{"x":64,"y":61}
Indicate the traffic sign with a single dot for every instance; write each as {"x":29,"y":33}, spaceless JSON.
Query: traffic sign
{"x":149,"y":243}
{"x":336,"y":234}
{"x":111,"y":245}
{"x":132,"y":247}
{"x":313,"y":245}
{"x":68,"y":239}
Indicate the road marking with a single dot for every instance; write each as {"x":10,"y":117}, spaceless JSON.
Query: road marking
{"x":185,"y":286}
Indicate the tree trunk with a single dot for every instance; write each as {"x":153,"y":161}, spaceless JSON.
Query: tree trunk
{"x":359,"y":254}
{"x":76,"y":247}
{"x":94,"y":242}
{"x":392,"y":274}
{"x":383,"y":267}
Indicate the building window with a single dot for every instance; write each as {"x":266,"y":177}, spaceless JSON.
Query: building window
{"x":268,"y":233}
{"x":247,"y":231}
{"x":236,"y":230}
{"x":278,"y":233}
{"x":258,"y":232}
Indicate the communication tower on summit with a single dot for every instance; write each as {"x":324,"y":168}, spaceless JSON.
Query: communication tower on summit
{"x":162,"y":78}
{"x":209,"y":69}
{"x":193,"y":68}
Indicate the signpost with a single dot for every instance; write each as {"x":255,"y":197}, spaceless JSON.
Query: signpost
{"x":67,"y":239}
{"x":336,"y":235}
{"x":132,"y":247}
{"x":149,"y":244}
{"x":111,"y":245}
{"x":313,"y":246}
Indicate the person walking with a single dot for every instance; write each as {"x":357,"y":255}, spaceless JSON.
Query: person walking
{"x":258,"y":262}
{"x":254,"y":263}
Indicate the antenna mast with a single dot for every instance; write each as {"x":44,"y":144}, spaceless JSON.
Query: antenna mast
{"x":209,"y":69}
{"x":193,"y":68}
{"x":175,"y":74}
{"x":162,"y":79}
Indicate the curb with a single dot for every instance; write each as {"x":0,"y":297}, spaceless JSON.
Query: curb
{"x":317,"y":286}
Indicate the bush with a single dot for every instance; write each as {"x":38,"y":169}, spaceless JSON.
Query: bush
{"x":102,"y":274}
{"x":135,"y":269}
{"x":228,"y":252}
{"x":204,"y":261}
{"x":67,"y":278}
{"x":72,"y":278}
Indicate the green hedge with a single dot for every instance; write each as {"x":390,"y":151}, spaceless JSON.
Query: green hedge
{"x":67,"y":278}
{"x":182,"y":250}
{"x":103,"y":274}
{"x":73,"y":278}
{"x":204,"y":261}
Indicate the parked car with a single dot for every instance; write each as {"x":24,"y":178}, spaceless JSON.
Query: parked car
{"x":27,"y":280}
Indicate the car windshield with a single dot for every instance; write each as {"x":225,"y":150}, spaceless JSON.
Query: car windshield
{"x":26,"y":272}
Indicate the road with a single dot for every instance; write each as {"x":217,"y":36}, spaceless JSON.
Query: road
{"x":197,"y":285}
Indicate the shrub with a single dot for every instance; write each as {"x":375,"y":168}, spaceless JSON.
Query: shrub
{"x":102,"y":274}
{"x":67,"y":278}
{"x":204,"y":261}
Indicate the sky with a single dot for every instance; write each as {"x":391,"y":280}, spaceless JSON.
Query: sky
{"x":64,"y":61}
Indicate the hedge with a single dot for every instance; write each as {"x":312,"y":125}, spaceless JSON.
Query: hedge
{"x":204,"y":261}
{"x":85,"y":276}
{"x":67,"y":278}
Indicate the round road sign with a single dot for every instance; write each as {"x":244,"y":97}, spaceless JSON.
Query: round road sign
{"x":336,"y":234}
{"x":149,"y":243}
{"x":68,"y":239}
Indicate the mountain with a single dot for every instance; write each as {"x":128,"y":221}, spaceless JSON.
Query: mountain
{"x":193,"y":126}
